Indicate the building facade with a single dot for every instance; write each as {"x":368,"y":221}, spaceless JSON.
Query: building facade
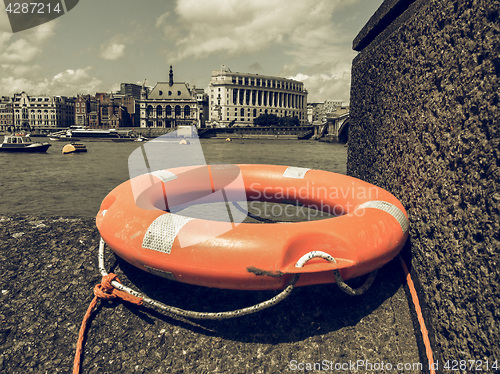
{"x":6,"y":114}
{"x":42,"y":112}
{"x":130,"y":89}
{"x":238,"y":98}
{"x":318,"y":112}
{"x":86,"y":110}
{"x":170,"y":104}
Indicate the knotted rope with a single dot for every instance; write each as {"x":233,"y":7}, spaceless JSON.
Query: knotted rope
{"x":111,"y":288}
{"x":105,"y":291}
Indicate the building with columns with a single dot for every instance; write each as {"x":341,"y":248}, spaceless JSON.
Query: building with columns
{"x":170,"y":104}
{"x":238,"y":98}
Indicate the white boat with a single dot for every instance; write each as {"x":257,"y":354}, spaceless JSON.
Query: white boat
{"x":22,"y":143}
{"x":83,"y":132}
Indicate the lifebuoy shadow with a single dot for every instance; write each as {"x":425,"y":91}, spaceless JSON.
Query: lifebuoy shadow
{"x":307,"y":312}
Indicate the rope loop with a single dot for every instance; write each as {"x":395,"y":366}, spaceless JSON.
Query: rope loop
{"x":336,"y":273}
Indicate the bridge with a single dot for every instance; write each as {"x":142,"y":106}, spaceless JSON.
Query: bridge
{"x":334,"y":128}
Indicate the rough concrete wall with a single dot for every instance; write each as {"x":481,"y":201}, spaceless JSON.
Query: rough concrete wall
{"x":424,"y":125}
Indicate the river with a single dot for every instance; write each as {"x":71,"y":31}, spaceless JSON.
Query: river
{"x":75,"y":184}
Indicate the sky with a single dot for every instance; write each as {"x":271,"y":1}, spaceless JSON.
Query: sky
{"x":102,"y":43}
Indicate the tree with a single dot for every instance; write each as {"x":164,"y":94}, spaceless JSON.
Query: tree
{"x":267,"y":120}
{"x":290,"y":121}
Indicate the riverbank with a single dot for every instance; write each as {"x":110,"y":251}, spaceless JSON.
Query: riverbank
{"x":48,"y":268}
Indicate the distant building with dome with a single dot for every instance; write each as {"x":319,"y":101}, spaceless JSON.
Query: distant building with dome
{"x":170,"y":104}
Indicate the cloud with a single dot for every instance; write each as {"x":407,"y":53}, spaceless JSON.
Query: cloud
{"x":25,"y":49}
{"x":112,"y":51}
{"x":73,"y":81}
{"x":255,"y":66}
{"x":236,"y":28}
{"x":321,"y":86}
{"x":301,"y":34}
{"x":66,"y":83}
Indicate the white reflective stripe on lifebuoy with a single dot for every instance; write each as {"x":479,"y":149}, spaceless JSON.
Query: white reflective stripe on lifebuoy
{"x":389,"y":208}
{"x":164,"y":175}
{"x":162,"y":232}
{"x":295,"y":172}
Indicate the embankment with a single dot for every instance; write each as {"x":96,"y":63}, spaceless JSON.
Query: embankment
{"x":424,"y":125}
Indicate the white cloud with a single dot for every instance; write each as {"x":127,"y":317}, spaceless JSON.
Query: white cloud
{"x":66,"y":83}
{"x":73,"y":81}
{"x":314,"y":45}
{"x":23,"y":50}
{"x":112,"y":51}
{"x":238,"y":28}
{"x":321,"y":86}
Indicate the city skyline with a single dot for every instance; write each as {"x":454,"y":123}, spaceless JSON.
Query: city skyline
{"x":99,"y":45}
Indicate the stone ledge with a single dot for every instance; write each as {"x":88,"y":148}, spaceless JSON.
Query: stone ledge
{"x":383,"y":17}
{"x":48,"y":268}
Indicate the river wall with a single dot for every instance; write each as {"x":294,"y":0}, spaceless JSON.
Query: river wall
{"x":424,"y":125}
{"x":258,"y":132}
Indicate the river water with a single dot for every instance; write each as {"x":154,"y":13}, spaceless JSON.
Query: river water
{"x":75,"y":184}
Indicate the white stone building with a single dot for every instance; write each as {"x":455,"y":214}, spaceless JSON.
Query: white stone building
{"x":238,"y":98}
{"x":42,"y":112}
{"x":170,"y":104}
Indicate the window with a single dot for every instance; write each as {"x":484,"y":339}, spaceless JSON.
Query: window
{"x":187,"y":111}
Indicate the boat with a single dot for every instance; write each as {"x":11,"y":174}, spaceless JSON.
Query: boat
{"x":80,"y":132}
{"x":74,"y":148}
{"x":138,"y":221}
{"x":62,"y":137}
{"x":22,"y":143}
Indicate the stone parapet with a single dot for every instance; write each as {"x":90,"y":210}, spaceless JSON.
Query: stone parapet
{"x":424,"y":125}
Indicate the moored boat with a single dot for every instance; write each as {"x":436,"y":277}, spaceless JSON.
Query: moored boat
{"x":74,"y":148}
{"x":82,"y":132}
{"x":22,"y":143}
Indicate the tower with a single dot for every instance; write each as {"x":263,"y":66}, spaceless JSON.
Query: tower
{"x":171,"y":77}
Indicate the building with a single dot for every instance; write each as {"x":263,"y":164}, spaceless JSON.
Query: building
{"x":238,"y":98}
{"x":112,"y":110}
{"x":42,"y":112}
{"x":129,"y":95}
{"x":6,"y":114}
{"x":130,"y":89}
{"x":318,"y":112}
{"x":86,"y":109}
{"x":170,"y":104}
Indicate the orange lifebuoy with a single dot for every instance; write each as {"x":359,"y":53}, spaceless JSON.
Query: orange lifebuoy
{"x":369,"y":230}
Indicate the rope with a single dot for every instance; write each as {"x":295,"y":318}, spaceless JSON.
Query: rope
{"x":111,"y":288}
{"x":420,"y":317}
{"x":192,"y":314}
{"x":336,"y":273}
{"x":105,"y":291}
{"x":238,"y":312}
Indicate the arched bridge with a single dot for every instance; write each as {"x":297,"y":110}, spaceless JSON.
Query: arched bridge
{"x":335,"y":128}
